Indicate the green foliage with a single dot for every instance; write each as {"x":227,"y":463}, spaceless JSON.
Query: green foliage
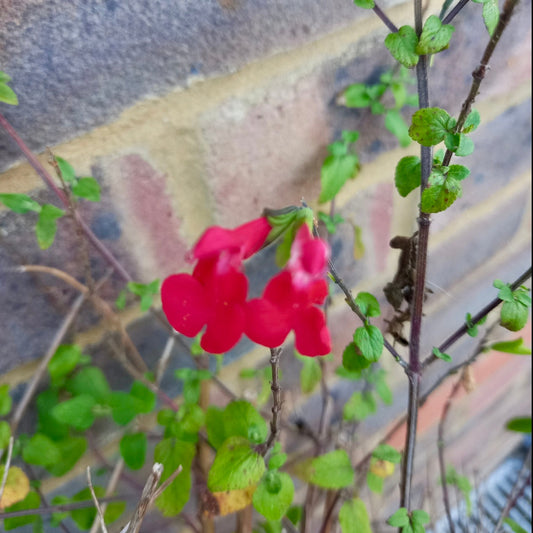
{"x":84,"y":517}
{"x":441,"y":193}
{"x":515,"y":528}
{"x":338,"y":167}
{"x":353,"y":360}
{"x":7,"y":95}
{"x":46,"y":226}
{"x":145,"y":291}
{"x":435,"y":36}
{"x":331,"y":223}
{"x":31,"y":501}
{"x":20,"y":203}
{"x":236,"y":466}
{"x":353,"y":517}
{"x":515,"y":347}
{"x":374,"y":482}
{"x":87,"y":188}
{"x":385,"y":452}
{"x":172,"y":453}
{"x":515,"y":309}
{"x":277,"y":459}
{"x":413,"y":522}
{"x":459,"y":143}
{"x":310,"y":375}
{"x":491,"y":14}
{"x":441,"y":355}
{"x":5,"y":400}
{"x":521,"y":424}
{"x":402,"y":46}
{"x":463,"y":485}
{"x":365,"y":4}
{"x":395,"y":123}
{"x":66,"y":169}
{"x":429,"y":126}
{"x":370,"y":342}
{"x":274,"y":495}
{"x":41,"y":450}
{"x":359,"y":406}
{"x":472,"y":328}
{"x":368,"y":304}
{"x":133,"y":449}
{"x":70,"y":450}
{"x":472,"y":121}
{"x":5,"y":434}
{"x":192,"y":379}
{"x":76,"y":412}
{"x":332,"y":470}
{"x":63,"y":362}
{"x":407,"y":176}
{"x":90,"y":381}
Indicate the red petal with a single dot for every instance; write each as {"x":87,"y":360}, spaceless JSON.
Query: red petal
{"x":311,"y":332}
{"x":185,"y":303}
{"x":314,"y":257}
{"x":228,"y":288}
{"x":224,"y":329}
{"x":213,"y":241}
{"x":252,"y":235}
{"x":318,"y":291}
{"x":279,"y":290}
{"x":266,"y":324}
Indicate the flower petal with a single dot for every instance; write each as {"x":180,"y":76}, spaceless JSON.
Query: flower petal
{"x":224,"y":329}
{"x":266,"y":323}
{"x":311,"y":332}
{"x":185,"y":303}
{"x":252,"y":235}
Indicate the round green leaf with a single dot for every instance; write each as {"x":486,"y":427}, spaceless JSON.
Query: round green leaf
{"x":353,"y":360}
{"x":514,"y":315}
{"x":274,"y":495}
{"x":64,"y":361}
{"x":133,"y":450}
{"x":40,"y":450}
{"x":241,"y":419}
{"x":353,"y":517}
{"x":19,"y":203}
{"x":407,"y":176}
{"x":384,"y":452}
{"x":76,"y":412}
{"x":435,"y":36}
{"x":429,"y":126}
{"x":370,"y":342}
{"x":332,"y":470}
{"x":402,"y":46}
{"x":368,"y":304}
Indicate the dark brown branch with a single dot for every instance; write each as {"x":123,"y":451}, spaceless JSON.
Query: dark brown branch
{"x":386,"y":20}
{"x":455,"y":11}
{"x":456,"y":335}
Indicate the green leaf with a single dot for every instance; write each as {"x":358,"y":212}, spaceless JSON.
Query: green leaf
{"x":399,"y":92}
{"x":145,"y":291}
{"x":274,"y":495}
{"x":514,"y":315}
{"x":5,"y":434}
{"x":331,"y":223}
{"x":120,"y":302}
{"x":4,"y":77}
{"x":491,"y":15}
{"x":395,"y":123}
{"x":63,"y":362}
{"x":383,"y":391}
{"x":214,"y":423}
{"x":440,"y":355}
{"x":236,"y":466}
{"x":123,"y":407}
{"x":20,"y":203}
{"x":172,"y":453}
{"x":31,"y":501}
{"x":67,"y":172}
{"x":133,"y":449}
{"x":458,"y":172}
{"x":385,"y":452}
{"x":84,"y":517}
{"x":349,"y":137}
{"x":521,"y":424}
{"x":336,"y":170}
{"x":505,"y":294}
{"x":377,"y":108}
{"x":463,"y":484}
{"x":91,"y":381}
{"x":332,"y":470}
{"x":515,"y":347}
{"x":399,"y":519}
{"x":472,"y":328}
{"x":472,"y":121}
{"x":435,"y":36}
{"x":419,"y":518}
{"x":429,"y":126}
{"x":353,"y":360}
{"x":370,"y":342}
{"x":7,"y":95}
{"x":71,"y":450}
{"x":40,"y":450}
{"x":353,"y":517}
{"x":359,"y":406}
{"x":407,"y":176}
{"x":76,"y":412}
{"x":374,"y":482}
{"x":365,"y":4}
{"x":465,"y":146}
{"x":441,"y":192}
{"x":402,"y":45}
{"x":368,"y":304}
{"x":277,"y":461}
{"x":241,"y":419}
{"x":47,"y":423}
{"x":87,"y":188}
{"x":5,"y":400}
{"x":516,"y":528}
{"x":310,"y":375}
{"x":46,"y":226}
{"x":356,"y":96}
{"x":144,"y":398}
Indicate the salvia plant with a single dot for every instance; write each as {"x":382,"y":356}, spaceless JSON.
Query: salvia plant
{"x":211,"y":460}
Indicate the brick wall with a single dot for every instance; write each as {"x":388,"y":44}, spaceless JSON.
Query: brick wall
{"x":194,"y":113}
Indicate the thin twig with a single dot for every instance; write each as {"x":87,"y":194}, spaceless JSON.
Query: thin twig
{"x":6,"y":466}
{"x":455,"y":11}
{"x":456,"y":335}
{"x":164,"y":359}
{"x":99,"y":512}
{"x":386,"y":20}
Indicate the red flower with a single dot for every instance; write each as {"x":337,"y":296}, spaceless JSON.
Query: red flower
{"x":214,"y":296}
{"x":290,"y":298}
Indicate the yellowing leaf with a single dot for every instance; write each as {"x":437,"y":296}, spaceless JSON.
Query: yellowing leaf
{"x":231,"y":501}
{"x":381,"y":468}
{"x":17,"y":486}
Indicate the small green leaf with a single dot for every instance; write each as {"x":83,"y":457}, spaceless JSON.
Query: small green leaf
{"x":353,"y":360}
{"x":63,"y":362}
{"x":370,"y":342}
{"x":458,"y":172}
{"x":336,"y":170}
{"x":465,"y":146}
{"x":46,"y":226}
{"x":440,"y":355}
{"x":353,"y":517}
{"x":359,"y":406}
{"x":516,"y":528}
{"x":399,"y":519}
{"x":520,"y":424}
{"x":20,"y":203}
{"x":85,"y":517}
{"x":402,"y":45}
{"x":123,"y":407}
{"x":145,"y":291}
{"x":133,"y":449}
{"x":274,"y":495}
{"x":368,"y":304}
{"x":277,"y":461}
{"x":356,"y":96}
{"x":429,"y":126}
{"x":67,"y":172}
{"x":365,"y":4}
{"x":463,"y":484}
{"x":332,"y":470}
{"x":395,"y":123}
{"x":7,"y":95}
{"x":331,"y":223}
{"x":241,"y":419}
{"x":144,"y":398}
{"x":4,"y":77}
{"x":310,"y":375}
{"x":407,"y":176}
{"x":349,"y":137}
{"x":90,"y":380}
{"x":87,"y":188}
{"x":71,"y":450}
{"x":399,"y":92}
{"x":419,"y":518}
{"x":374,"y":482}
{"x":31,"y":501}
{"x":441,"y":192}
{"x":385,"y":452}
{"x":472,"y":121}
{"x":435,"y":36}
{"x":40,"y":450}
{"x":5,"y":400}
{"x":514,"y":315}
{"x":515,"y":347}
{"x":5,"y":434}
{"x":383,"y":391}
{"x":120,"y":302}
{"x":491,"y":15}
{"x":76,"y":412}
{"x":214,"y":423}
{"x":236,"y":466}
